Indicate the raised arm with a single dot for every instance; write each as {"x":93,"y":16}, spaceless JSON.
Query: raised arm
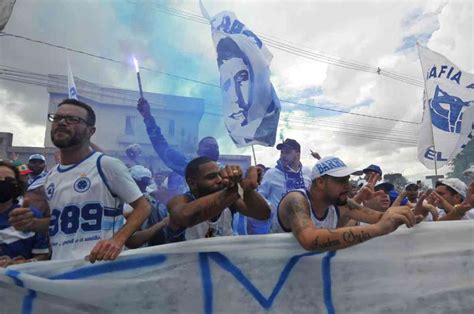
{"x":253,"y":204}
{"x":185,"y":212}
{"x":172,"y":158}
{"x":295,"y":213}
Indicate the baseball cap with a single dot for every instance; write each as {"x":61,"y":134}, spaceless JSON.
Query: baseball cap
{"x":410,"y":184}
{"x":386,"y":186}
{"x":332,"y":166}
{"x":457,"y":185}
{"x":22,"y":168}
{"x":374,"y":168}
{"x":469,"y":172}
{"x":289,"y":143}
{"x":138,"y":172}
{"x":37,"y":157}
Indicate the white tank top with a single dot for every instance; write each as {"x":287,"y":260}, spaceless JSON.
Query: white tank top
{"x":83,"y":209}
{"x":328,"y":221}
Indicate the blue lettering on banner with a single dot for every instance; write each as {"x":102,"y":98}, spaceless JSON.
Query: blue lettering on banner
{"x":265,"y":302}
{"x":433,"y":73}
{"x":447,"y":119}
{"x":431,"y":154}
{"x":236,"y":27}
{"x":470,"y":86}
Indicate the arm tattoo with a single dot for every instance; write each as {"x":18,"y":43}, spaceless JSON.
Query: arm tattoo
{"x":354,"y":238}
{"x":298,"y":215}
{"x":325,"y":245}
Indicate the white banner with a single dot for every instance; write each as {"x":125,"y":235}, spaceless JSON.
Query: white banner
{"x":427,"y":269}
{"x":448,"y":116}
{"x":251,"y":106}
{"x":71,"y":85}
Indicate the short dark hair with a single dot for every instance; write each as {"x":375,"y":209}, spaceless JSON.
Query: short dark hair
{"x":19,"y":185}
{"x":75,"y":102}
{"x":450,"y":189}
{"x":206,"y":138}
{"x":192,"y":169}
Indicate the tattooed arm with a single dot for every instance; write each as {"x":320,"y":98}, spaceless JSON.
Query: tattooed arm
{"x":185,"y":212}
{"x":360,"y":213}
{"x":295,"y":215}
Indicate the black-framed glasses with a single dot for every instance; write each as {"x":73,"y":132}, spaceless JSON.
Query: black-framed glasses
{"x":52,"y":117}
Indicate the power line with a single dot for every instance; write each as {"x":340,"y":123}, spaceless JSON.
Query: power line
{"x":278,"y":44}
{"x":192,"y":80}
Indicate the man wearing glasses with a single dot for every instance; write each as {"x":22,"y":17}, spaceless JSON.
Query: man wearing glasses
{"x":85,"y":193}
{"x":317,"y":216}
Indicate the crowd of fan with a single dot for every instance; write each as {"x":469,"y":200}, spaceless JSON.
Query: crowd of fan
{"x":50,"y":214}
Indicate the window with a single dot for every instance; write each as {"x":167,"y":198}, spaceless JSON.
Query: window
{"x":171,"y":128}
{"x":129,"y":125}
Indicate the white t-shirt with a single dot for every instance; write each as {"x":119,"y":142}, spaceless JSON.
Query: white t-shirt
{"x":86,"y":201}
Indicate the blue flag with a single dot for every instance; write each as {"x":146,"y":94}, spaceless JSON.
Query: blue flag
{"x":251,"y":106}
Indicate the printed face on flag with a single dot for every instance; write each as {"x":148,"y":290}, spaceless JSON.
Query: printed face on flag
{"x":236,"y":79}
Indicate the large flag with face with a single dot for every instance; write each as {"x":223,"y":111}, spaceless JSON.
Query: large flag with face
{"x":448,"y":116}
{"x":251,"y":106}
{"x":71,"y":85}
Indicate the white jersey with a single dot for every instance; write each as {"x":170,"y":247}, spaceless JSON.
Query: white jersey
{"x":208,"y":229}
{"x":86,"y":203}
{"x":328,"y":221}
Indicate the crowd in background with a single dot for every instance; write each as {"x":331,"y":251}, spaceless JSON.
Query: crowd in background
{"x":93,"y":205}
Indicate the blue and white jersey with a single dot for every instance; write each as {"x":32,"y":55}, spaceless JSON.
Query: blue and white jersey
{"x":86,"y":201}
{"x":37,"y":181}
{"x":14,"y":243}
{"x":328,"y":221}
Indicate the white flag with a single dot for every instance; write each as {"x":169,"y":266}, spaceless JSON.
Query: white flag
{"x":6,"y":9}
{"x":71,"y":86}
{"x":252,"y":108}
{"x":448,"y":116}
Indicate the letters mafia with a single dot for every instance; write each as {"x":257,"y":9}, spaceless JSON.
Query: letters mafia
{"x":443,"y":71}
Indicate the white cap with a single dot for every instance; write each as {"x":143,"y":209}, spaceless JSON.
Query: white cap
{"x":469,"y":172}
{"x":333,"y":167}
{"x":457,"y":185}
{"x":138,"y":172}
{"x":37,"y":157}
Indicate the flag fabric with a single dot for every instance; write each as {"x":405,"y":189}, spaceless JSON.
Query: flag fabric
{"x":6,"y":9}
{"x":251,"y":106}
{"x":448,"y":114}
{"x":71,"y":85}
{"x":426,"y":269}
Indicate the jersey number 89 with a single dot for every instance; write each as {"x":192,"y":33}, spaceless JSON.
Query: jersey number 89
{"x":88,"y":218}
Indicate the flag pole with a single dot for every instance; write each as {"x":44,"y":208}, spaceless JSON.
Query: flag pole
{"x":254,"y":158}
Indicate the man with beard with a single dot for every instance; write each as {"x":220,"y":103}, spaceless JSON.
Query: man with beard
{"x":314,"y":216}
{"x":288,"y":174}
{"x":85,"y":193}
{"x":215,"y":194}
{"x":173,"y":159}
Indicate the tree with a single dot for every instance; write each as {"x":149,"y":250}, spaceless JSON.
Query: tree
{"x":462,"y":161}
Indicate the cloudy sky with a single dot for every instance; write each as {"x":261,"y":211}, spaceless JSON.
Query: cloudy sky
{"x":165,"y":36}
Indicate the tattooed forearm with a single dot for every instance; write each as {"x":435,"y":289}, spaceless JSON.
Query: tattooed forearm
{"x":356,"y":237}
{"x":325,"y":245}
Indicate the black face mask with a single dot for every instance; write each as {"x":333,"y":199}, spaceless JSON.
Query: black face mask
{"x":7,"y":189}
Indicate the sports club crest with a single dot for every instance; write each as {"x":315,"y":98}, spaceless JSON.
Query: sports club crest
{"x":82,"y":185}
